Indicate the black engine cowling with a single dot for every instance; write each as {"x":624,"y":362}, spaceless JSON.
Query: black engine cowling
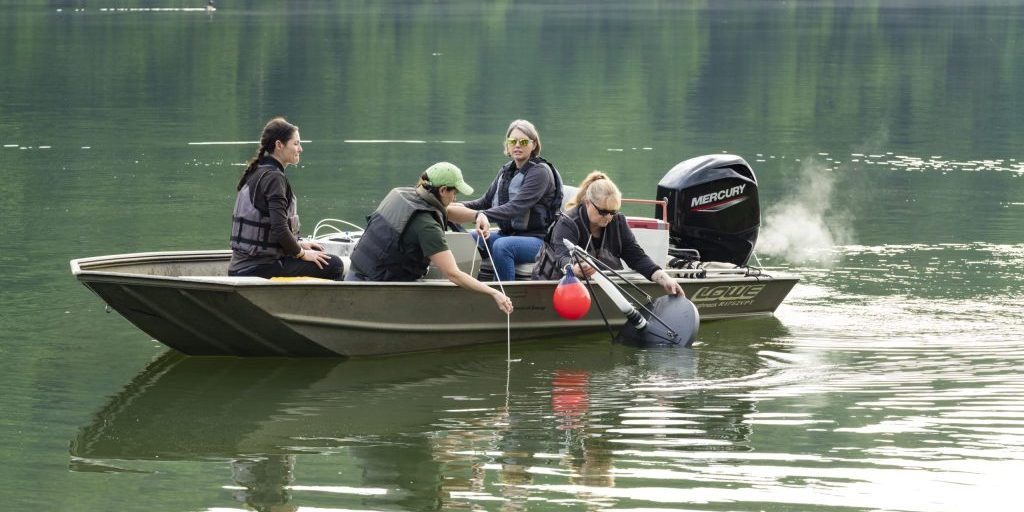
{"x":713,"y":207}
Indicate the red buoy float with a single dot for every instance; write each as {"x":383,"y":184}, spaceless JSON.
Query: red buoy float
{"x":571,"y":298}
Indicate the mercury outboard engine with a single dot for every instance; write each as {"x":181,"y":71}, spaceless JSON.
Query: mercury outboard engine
{"x":712,"y":207}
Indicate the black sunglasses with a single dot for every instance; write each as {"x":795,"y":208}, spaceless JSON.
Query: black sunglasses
{"x":602,"y":211}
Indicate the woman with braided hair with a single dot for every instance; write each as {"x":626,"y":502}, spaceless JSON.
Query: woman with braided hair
{"x":593,"y":221}
{"x":265,"y":225}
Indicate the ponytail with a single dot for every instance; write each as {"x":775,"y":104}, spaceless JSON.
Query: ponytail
{"x":424,"y":183}
{"x":584,"y":189}
{"x":251,"y":167}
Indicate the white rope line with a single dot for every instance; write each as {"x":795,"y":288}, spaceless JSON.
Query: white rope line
{"x":472,"y":262}
{"x":508,"y":317}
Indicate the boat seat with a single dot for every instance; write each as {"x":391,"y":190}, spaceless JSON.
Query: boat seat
{"x":463,"y":247}
{"x":524,"y":271}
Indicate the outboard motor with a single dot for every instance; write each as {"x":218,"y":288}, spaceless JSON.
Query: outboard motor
{"x":713,"y":207}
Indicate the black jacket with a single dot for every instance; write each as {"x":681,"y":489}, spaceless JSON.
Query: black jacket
{"x":616,"y":245}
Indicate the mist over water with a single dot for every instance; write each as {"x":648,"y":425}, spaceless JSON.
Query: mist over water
{"x":803,"y":227}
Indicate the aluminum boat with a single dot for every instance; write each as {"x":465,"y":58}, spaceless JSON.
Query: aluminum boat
{"x":185,"y":300}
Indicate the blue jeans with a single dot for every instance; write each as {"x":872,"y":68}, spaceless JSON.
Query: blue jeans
{"x":507,"y":251}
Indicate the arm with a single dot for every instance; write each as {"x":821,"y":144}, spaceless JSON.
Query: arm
{"x":632,"y":254}
{"x":469,"y":211}
{"x":445,"y":261}
{"x":484,"y":201}
{"x":274,"y":192}
{"x":460,"y":214}
{"x":277,"y":206}
{"x":535,"y":184}
{"x":638,"y":260}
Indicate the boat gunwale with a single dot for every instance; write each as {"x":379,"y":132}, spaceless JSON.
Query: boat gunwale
{"x":89,"y":268}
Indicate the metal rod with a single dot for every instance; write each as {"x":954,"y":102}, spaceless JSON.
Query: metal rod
{"x":590,"y":287}
{"x":578,"y":252}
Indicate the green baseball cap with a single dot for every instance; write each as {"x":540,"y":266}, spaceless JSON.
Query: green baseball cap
{"x":446,"y":174}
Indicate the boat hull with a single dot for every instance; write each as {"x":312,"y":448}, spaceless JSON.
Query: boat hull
{"x":185,"y":301}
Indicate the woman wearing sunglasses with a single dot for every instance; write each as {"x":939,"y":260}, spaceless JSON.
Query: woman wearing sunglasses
{"x":522,"y":200}
{"x":592,"y":220}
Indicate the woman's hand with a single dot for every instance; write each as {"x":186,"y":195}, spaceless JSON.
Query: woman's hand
{"x":311,"y":245}
{"x":317,"y":257}
{"x":504,"y":303}
{"x":483,"y":226}
{"x":445,"y":261}
{"x":583,"y":269}
{"x":670,"y":286}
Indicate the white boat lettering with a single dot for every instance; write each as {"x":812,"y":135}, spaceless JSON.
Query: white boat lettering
{"x":726,"y":293}
{"x":718,"y":196}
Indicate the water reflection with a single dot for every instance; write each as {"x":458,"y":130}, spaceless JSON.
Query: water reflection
{"x":582,"y":424}
{"x":264,"y":482}
{"x":432,"y":431}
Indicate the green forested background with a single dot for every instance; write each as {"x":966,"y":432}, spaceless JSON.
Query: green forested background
{"x":680,"y":80}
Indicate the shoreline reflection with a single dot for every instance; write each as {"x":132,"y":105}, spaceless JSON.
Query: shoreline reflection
{"x":427,"y":431}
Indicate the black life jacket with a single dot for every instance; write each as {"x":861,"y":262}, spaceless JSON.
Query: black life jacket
{"x":379,"y":255}
{"x":250,"y":226}
{"x":509,"y":183}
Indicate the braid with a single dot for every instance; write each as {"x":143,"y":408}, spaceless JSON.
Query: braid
{"x":251,"y":167}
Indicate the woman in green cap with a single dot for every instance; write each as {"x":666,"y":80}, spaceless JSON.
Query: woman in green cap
{"x":405,"y":235}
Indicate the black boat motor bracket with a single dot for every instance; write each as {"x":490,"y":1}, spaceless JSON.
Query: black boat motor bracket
{"x":667,"y":320}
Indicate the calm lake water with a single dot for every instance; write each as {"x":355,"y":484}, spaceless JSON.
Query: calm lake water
{"x":886,"y":137}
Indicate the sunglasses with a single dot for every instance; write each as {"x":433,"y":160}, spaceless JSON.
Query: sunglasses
{"x":520,"y":142}
{"x":602,"y":211}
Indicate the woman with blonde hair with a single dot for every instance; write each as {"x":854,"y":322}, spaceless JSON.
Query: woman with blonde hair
{"x":592,"y":220}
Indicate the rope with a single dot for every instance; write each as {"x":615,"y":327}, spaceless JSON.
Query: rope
{"x":508,"y":318}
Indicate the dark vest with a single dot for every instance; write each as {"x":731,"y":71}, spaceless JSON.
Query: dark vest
{"x":380,"y":255}
{"x":250,"y":226}
{"x":540,"y":215}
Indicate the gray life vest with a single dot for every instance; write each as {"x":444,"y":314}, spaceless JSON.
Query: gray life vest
{"x":380,"y":255}
{"x":250,"y":227}
{"x":535,"y":220}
